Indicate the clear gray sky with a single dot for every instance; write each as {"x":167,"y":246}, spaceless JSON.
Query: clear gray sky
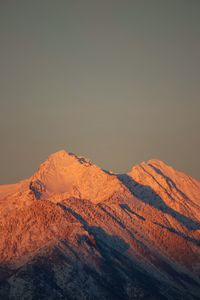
{"x":115,"y":81}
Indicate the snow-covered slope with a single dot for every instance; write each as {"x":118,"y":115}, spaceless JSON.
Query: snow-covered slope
{"x":175,"y":193}
{"x":74,"y":231}
{"x":65,"y":175}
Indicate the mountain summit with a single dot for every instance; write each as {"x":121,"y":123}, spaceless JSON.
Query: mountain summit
{"x":65,"y":175}
{"x":75,"y":231}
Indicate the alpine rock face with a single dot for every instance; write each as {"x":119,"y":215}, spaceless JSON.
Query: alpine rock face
{"x":75,"y":231}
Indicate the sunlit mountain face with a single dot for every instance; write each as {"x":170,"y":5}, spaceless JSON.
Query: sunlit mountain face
{"x":75,"y":231}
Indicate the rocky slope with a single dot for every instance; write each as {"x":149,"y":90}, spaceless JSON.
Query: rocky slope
{"x":74,"y":231}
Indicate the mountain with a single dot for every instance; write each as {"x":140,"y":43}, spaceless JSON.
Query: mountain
{"x":65,"y":175}
{"x":75,"y":231}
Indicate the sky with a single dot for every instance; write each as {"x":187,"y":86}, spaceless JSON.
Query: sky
{"x":115,"y":81}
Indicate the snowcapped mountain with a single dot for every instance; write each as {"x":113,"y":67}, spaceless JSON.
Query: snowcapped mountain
{"x":66,"y":175}
{"x":75,"y":231}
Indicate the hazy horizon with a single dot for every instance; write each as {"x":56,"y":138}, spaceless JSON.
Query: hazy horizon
{"x":115,"y":81}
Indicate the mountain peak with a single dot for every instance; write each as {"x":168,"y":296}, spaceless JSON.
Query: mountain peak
{"x":157,"y":163}
{"x":65,"y":157}
{"x":65,"y":175}
{"x":153,"y":163}
{"x":59,"y":153}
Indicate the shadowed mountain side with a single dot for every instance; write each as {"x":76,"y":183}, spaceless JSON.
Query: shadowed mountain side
{"x":147,"y":195}
{"x":169,"y":181}
{"x":94,"y":262}
{"x":99,"y":234}
{"x":129,"y":211}
{"x":191,"y":239}
{"x":67,"y":273}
